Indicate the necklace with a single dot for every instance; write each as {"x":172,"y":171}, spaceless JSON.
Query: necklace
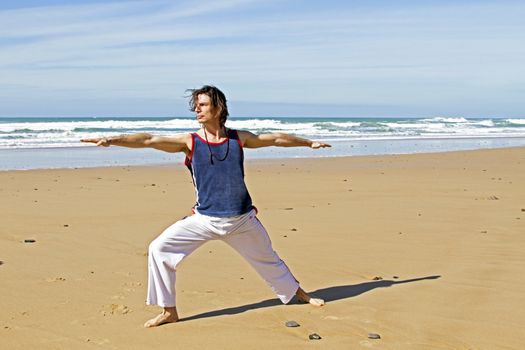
{"x":209,"y":148}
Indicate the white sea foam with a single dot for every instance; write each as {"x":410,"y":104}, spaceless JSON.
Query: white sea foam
{"x":106,"y":124}
{"x":57,"y":132}
{"x":445,"y":120}
{"x":516,"y":121}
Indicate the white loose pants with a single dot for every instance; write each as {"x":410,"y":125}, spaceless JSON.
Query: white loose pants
{"x":244,"y":233}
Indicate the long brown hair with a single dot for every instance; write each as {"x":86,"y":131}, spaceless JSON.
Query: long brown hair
{"x":217,"y":97}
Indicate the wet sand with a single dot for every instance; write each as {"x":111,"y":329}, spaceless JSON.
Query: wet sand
{"x":425,"y":250}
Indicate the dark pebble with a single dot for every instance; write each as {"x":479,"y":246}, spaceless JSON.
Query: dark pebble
{"x":522,"y":209}
{"x":66,"y":225}
{"x":292,"y":324}
{"x":1,"y":262}
{"x":293,"y":229}
{"x":374,"y":336}
{"x":314,"y":336}
{"x":29,"y":241}
{"x":395,"y":277}
{"x":288,"y":208}
{"x":377,"y":278}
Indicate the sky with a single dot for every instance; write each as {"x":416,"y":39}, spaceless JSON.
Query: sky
{"x":366,"y":58}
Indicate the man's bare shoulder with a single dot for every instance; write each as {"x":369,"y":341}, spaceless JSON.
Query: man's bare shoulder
{"x":245,"y":135}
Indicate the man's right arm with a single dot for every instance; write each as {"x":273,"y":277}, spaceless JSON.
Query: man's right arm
{"x":177,"y":143}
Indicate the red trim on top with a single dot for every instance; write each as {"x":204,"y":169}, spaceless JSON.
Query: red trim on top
{"x":187,"y":161}
{"x":238,"y":138}
{"x":212,"y":143}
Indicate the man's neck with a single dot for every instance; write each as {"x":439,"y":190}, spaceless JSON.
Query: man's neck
{"x":214,"y":132}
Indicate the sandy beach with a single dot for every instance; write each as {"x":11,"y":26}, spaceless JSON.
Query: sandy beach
{"x":425,"y":250}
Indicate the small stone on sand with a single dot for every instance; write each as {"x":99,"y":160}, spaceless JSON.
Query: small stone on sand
{"x":66,"y":225}
{"x":293,"y":229}
{"x":377,"y":278}
{"x":292,"y":324}
{"x":395,"y":277}
{"x":288,"y":208}
{"x":374,"y":336}
{"x":314,"y":336}
{"x":29,"y":241}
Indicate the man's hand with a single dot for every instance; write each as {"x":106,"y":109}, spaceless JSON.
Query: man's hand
{"x":99,"y":141}
{"x":317,"y":144}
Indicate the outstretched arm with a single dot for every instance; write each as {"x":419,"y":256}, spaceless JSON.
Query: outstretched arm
{"x":251,"y":140}
{"x":178,"y":143}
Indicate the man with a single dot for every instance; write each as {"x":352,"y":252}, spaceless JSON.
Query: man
{"x":223,"y":209}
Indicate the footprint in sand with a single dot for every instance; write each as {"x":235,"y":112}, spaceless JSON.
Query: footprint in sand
{"x":336,"y":318}
{"x":55,"y":279}
{"x":96,"y":341}
{"x":115,"y":309}
{"x":366,"y":343}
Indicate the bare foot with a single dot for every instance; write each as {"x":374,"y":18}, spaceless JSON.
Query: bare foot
{"x":169,"y":315}
{"x":303,"y":296}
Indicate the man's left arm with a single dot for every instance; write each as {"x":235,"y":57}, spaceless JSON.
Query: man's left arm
{"x":250,"y":140}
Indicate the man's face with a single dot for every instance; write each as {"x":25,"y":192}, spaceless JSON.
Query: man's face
{"x":203,"y":109}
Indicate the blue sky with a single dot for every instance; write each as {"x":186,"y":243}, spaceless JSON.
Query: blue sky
{"x":271,"y":58}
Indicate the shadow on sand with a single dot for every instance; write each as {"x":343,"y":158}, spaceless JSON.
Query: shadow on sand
{"x":328,"y":294}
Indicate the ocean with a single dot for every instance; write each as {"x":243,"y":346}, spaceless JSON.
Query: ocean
{"x":34,"y":143}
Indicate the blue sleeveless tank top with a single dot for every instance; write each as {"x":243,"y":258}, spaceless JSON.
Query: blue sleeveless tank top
{"x":219,"y":185}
